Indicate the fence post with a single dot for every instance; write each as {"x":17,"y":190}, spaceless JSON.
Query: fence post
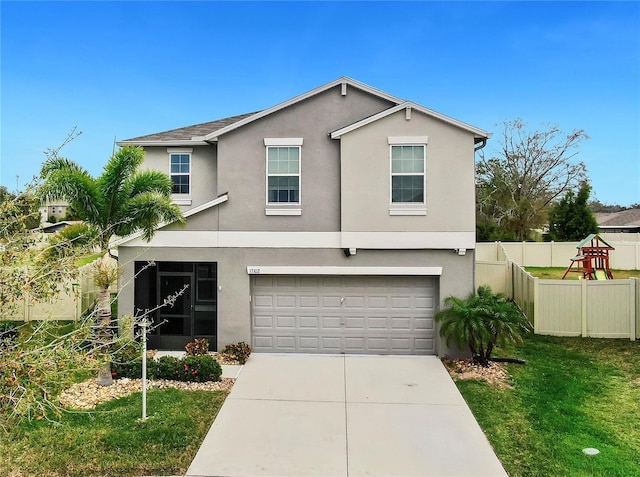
{"x":583,"y":307}
{"x":536,"y":301}
{"x":632,"y":307}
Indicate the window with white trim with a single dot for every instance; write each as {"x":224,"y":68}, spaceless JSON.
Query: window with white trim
{"x":407,"y":174}
{"x":283,"y":171}
{"x":180,"y":171}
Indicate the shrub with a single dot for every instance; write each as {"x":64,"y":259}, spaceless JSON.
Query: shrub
{"x":197,"y":347}
{"x":199,"y":368}
{"x":237,"y":352}
{"x":126,"y":361}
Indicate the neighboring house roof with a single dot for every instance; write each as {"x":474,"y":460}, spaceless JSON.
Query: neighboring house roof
{"x":48,"y":227}
{"x":624,"y":218}
{"x":205,"y":133}
{"x":408,"y":105}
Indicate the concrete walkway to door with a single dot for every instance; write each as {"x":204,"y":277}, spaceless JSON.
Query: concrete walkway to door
{"x":318,"y":415}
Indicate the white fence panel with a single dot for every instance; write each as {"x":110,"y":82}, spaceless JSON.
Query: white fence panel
{"x":626,"y":255}
{"x":495,"y":275}
{"x":599,"y":309}
{"x":559,"y":309}
{"x":609,"y":308}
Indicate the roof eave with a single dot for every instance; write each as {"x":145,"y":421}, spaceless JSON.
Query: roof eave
{"x":164,"y":142}
{"x":477,"y":132}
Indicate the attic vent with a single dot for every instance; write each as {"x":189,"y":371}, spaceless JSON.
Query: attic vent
{"x":344,"y":89}
{"x":407,"y":113}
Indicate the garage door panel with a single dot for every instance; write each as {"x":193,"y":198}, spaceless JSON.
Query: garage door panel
{"x":310,"y":322}
{"x":346,"y":314}
{"x":331,"y":322}
{"x":263,"y":321}
{"x":331,"y":301}
{"x":309,"y":301}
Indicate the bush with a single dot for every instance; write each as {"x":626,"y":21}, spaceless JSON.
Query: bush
{"x":126,"y":361}
{"x":239,"y":352}
{"x":199,"y":368}
{"x":197,"y":347}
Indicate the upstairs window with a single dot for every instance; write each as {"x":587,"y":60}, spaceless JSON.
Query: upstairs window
{"x":181,"y":173}
{"x":407,"y":174}
{"x":283,"y":174}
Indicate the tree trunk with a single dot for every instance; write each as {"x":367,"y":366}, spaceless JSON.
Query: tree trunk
{"x":104,"y":335}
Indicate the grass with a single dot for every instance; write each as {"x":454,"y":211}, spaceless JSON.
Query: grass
{"x":112,"y":441}
{"x":87,"y":259}
{"x":555,"y":273}
{"x":573,"y":393}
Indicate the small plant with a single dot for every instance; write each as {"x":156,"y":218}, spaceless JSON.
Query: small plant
{"x":239,"y":352}
{"x":197,"y":347}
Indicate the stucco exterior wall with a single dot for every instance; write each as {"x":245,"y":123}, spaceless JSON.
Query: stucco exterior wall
{"x":242,"y":165}
{"x":234,"y":307}
{"x":450,"y":187}
{"x":203,"y":171}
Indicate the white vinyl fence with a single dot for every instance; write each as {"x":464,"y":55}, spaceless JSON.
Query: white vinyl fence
{"x":590,"y":308}
{"x":72,"y":300}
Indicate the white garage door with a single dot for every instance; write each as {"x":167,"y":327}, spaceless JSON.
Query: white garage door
{"x":344,"y":314}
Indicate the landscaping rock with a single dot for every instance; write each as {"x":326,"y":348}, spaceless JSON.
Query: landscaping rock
{"x":495,"y":374}
{"x":89,"y":394}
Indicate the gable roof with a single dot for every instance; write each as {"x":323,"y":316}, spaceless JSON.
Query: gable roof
{"x":343,"y":81}
{"x":478,"y":133}
{"x":206,"y":133}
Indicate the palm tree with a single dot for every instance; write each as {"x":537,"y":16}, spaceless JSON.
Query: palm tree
{"x":121,"y":201}
{"x":482,"y":321}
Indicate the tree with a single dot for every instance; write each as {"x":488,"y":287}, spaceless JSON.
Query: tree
{"x":533,"y":168}
{"x":571,"y":219}
{"x":481,"y":322}
{"x":121,"y":201}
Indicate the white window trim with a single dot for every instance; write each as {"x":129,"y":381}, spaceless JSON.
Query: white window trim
{"x":408,"y":208}
{"x":283,"y":208}
{"x":182,"y":199}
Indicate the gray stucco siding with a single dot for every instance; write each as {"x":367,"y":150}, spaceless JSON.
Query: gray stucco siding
{"x":242,"y":165}
{"x":450,"y":187}
{"x":203,"y":180}
{"x":234,"y":307}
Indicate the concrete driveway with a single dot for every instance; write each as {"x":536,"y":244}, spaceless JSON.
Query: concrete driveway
{"x":317,"y":415}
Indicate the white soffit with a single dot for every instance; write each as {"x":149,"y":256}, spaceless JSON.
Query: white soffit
{"x":384,"y":271}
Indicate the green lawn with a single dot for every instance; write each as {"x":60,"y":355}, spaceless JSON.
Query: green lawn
{"x":111,"y":441}
{"x":555,"y":273}
{"x":573,"y":393}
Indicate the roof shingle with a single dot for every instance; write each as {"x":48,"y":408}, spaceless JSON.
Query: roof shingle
{"x":188,"y":132}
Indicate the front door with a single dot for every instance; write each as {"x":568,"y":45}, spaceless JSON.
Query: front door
{"x":184,"y":295}
{"x":176,"y":318}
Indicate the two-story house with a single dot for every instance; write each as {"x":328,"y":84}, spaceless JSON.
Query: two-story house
{"x":334,"y":222}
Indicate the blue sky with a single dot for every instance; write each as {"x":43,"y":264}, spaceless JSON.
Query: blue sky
{"x":122,"y":69}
